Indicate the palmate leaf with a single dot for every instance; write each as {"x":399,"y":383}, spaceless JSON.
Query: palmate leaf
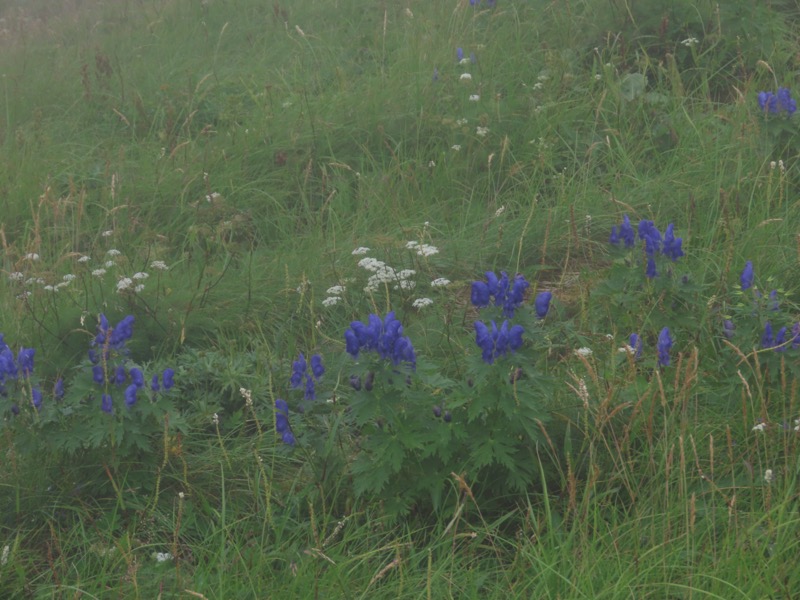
{"x":495,"y":449}
{"x":368,"y":478}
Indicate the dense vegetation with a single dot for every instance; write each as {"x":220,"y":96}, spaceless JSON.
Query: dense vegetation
{"x":422,"y":299}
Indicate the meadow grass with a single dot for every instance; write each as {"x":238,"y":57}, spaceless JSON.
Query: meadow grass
{"x":250,"y":148}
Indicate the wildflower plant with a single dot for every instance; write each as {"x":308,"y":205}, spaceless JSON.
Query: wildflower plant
{"x":648,"y":271}
{"x":417,"y":422}
{"x":109,"y":409}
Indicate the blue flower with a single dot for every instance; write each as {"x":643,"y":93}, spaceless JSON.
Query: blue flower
{"x":542,"y":304}
{"x":8,"y":366}
{"x":459,"y":54}
{"x":777,"y":103}
{"x":625,"y":233}
{"x":298,"y":370}
{"x":780,"y":340}
{"x":635,"y":343}
{"x":775,"y":304}
{"x":130,"y":395}
{"x":385,"y":337}
{"x":105,"y":403}
{"x":767,"y":339}
{"x":651,"y":236}
{"x":497,"y":342}
{"x":747,"y":276}
{"x":154,"y":383}
{"x":505,"y":294}
{"x":516,"y":296}
{"x":310,"y":391}
{"x":664,"y":345}
{"x":351,"y":343}
{"x":651,"y":272}
{"x":282,"y":422}
{"x":36,"y":398}
{"x":728,"y":328}
{"x":137,"y":377}
{"x":119,"y":375}
{"x":167,"y":378}
{"x":672,"y":245}
{"x":316,"y":366}
{"x":25,"y":360}
{"x":58,"y":389}
{"x":98,"y":374}
{"x":480,"y":294}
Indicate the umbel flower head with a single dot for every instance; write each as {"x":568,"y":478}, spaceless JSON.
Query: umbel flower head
{"x":506,"y":294}
{"x":777,"y":103}
{"x":497,"y":342}
{"x":382,"y":336}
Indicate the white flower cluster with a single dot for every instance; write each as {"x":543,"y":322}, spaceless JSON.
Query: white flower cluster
{"x":440,"y":282}
{"x":421,"y":303}
{"x":334,"y":295}
{"x":422,"y":249}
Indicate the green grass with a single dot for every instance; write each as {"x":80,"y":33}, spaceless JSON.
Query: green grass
{"x":253,"y":146}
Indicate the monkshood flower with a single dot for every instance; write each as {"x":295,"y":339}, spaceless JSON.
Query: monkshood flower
{"x":300,"y":371}
{"x":651,"y":272}
{"x":130,"y":395}
{"x":774,"y":302}
{"x":777,"y":103}
{"x":58,"y":389}
{"x":497,"y":342}
{"x":506,"y":294}
{"x":780,"y":340}
{"x":728,"y":328}
{"x":651,"y":236}
{"x":664,"y":345}
{"x":25,"y":361}
{"x":767,"y":338}
{"x":282,"y":422}
{"x":385,"y":337}
{"x":317,"y":369}
{"x":105,"y":404}
{"x":137,"y":377}
{"x":110,"y":338}
{"x":167,"y":378}
{"x":542,"y":304}
{"x":672,"y":245}
{"x":635,"y":345}
{"x":747,"y":276}
{"x":36,"y":398}
{"x":626,"y":233}
{"x":459,"y":54}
